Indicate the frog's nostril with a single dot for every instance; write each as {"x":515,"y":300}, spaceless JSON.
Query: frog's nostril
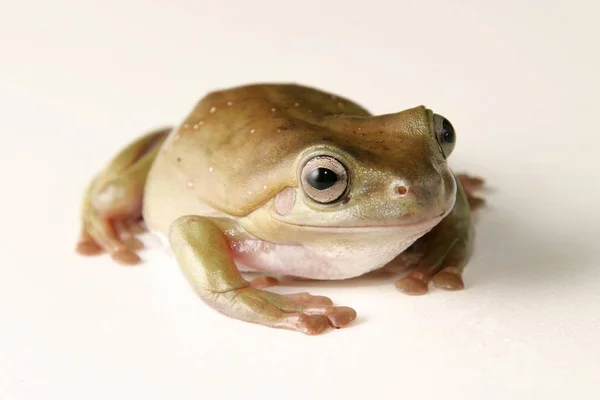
{"x":401,"y":190}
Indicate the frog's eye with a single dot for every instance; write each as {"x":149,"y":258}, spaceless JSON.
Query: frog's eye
{"x":324,"y":179}
{"x":444,"y":131}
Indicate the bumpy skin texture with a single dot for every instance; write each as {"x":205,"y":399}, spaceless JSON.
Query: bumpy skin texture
{"x":226,"y":189}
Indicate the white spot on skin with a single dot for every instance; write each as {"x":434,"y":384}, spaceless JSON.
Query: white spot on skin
{"x":190,"y":184}
{"x":273,"y":109}
{"x":296,"y":105}
{"x":252,"y":130}
{"x":195,"y":126}
{"x":249,"y":193}
{"x":230,"y":103}
{"x":340,"y":105}
{"x":210,"y":169}
{"x":212,"y":110}
{"x":265,"y":187}
{"x":309,"y":111}
{"x":186,"y":125}
{"x":200,"y":122}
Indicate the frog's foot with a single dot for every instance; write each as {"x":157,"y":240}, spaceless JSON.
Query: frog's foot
{"x":443,"y":255}
{"x":116,"y":237}
{"x":111,"y":214}
{"x":111,"y":219}
{"x":471,"y":185}
{"x":301,"y":312}
{"x":417,"y":282}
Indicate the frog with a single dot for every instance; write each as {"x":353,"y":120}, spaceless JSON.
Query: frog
{"x":284,"y":179}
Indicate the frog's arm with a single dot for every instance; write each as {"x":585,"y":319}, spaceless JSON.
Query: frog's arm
{"x":205,"y":257}
{"x":446,"y":249}
{"x":112,"y":203}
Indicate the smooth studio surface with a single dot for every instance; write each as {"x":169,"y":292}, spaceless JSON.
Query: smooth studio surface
{"x":518,"y":81}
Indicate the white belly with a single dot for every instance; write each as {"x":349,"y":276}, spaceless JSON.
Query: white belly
{"x":338,"y":259}
{"x":343,"y":258}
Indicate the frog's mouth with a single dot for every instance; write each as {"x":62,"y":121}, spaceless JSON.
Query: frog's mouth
{"x":412,"y":228}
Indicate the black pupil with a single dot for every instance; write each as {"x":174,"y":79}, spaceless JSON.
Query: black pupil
{"x":321,"y":178}
{"x":448,"y":135}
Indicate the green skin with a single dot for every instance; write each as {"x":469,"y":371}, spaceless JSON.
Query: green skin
{"x":153,"y":179}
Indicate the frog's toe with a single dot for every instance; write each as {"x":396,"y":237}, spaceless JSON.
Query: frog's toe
{"x":305,"y":323}
{"x":264,"y":282}
{"x":338,"y":317}
{"x":448,"y":279}
{"x":308,"y":299}
{"x":412,"y":285}
{"x":315,"y":321}
{"x":88,"y":247}
{"x":126,"y":257}
{"x":100,"y":234}
{"x":471,"y":183}
{"x":299,"y":311}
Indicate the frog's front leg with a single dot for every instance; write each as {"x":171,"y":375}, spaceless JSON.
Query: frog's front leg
{"x":445,"y":251}
{"x":204,"y":255}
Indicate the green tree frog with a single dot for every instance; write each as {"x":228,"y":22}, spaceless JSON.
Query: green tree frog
{"x":285,"y":179}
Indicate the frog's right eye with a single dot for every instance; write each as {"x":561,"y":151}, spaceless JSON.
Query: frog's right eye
{"x":444,"y":132}
{"x":324,"y":179}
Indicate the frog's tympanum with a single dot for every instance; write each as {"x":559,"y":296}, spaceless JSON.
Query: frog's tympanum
{"x":289,"y":180}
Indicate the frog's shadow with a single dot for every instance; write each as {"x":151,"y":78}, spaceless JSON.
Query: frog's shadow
{"x":506,"y":253}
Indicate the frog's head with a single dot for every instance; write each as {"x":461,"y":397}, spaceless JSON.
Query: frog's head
{"x":377,"y":172}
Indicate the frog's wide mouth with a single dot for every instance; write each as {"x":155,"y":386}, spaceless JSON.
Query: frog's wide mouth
{"x":411,"y":227}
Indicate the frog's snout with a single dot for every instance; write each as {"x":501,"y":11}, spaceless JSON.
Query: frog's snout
{"x":431,"y":195}
{"x":418,"y":190}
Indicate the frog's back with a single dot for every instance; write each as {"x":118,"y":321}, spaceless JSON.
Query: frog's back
{"x":234,"y":150}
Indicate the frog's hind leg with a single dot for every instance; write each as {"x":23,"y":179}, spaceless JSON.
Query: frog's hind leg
{"x":112,"y":204}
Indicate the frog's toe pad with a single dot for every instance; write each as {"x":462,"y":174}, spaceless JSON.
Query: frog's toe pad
{"x":412,"y":286}
{"x":336,"y":317}
{"x":305,"y":323}
{"x":88,"y":248}
{"x":126,"y":257}
{"x":340,"y":317}
{"x":448,"y":280}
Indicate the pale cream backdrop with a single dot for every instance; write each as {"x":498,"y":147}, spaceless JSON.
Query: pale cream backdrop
{"x":518,"y":79}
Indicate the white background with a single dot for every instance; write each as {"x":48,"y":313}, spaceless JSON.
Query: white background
{"x":519,"y":81}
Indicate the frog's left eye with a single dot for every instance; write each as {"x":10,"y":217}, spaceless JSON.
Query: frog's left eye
{"x":324,"y":179}
{"x":444,"y":132}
